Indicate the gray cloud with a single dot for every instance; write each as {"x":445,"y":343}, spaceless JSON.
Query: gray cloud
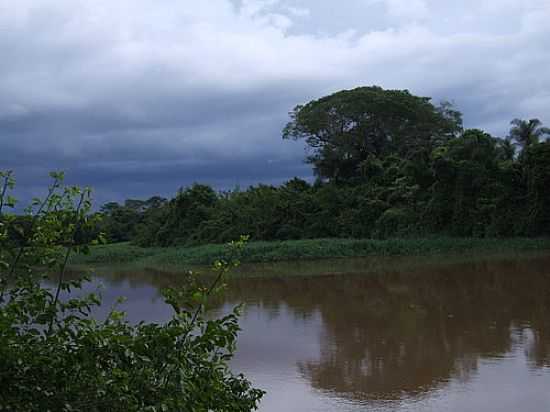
{"x":137,"y":97}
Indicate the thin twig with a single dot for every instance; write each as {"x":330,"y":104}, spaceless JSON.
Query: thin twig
{"x":4,"y":190}
{"x":199,"y":309}
{"x":51,"y":191}
{"x":201,"y":305}
{"x":23,"y":246}
{"x":66,"y":259}
{"x":2,"y":197}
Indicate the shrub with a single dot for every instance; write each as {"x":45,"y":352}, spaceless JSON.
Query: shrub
{"x":54,"y":356}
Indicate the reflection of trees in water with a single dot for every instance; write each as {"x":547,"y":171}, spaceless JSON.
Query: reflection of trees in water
{"x":132,"y":278}
{"x":539,"y":351}
{"x":407,"y":328}
{"x":408,"y":331}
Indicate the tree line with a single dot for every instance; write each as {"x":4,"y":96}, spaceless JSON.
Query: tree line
{"x":387,"y":164}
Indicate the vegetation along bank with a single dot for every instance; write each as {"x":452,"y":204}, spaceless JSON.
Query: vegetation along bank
{"x":180,"y":258}
{"x":387,"y":164}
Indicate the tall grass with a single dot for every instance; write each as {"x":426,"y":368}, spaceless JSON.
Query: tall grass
{"x":124,"y":253}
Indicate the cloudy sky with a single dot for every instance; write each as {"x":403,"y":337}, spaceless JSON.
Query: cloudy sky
{"x":139,"y":97}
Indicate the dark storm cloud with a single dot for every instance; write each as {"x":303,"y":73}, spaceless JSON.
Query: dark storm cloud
{"x":140,"y":97}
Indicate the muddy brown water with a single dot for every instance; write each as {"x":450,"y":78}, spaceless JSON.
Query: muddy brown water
{"x":406,"y":334}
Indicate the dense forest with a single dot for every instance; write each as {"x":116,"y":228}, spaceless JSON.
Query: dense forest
{"x":387,"y":164}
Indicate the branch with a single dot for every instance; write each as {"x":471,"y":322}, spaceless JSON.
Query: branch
{"x":51,"y":191}
{"x":66,"y":259}
{"x":4,"y":190}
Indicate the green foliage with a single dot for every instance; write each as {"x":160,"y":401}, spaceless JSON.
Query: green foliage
{"x":537,"y":172}
{"x":346,"y":128}
{"x":122,"y":222}
{"x":126,"y":256}
{"x":390,"y":164}
{"x":528,"y":132}
{"x":55,"y":356}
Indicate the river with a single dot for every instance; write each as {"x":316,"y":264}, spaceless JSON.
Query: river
{"x":401,"y":334}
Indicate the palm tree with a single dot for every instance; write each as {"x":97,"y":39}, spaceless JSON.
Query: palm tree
{"x":507,"y":149}
{"x":528,"y":132}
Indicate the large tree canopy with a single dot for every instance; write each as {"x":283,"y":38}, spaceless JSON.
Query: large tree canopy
{"x":346,"y":128}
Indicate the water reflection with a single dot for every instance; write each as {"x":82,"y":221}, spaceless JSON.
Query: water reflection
{"x":406,"y":332}
{"x":408,"y":335}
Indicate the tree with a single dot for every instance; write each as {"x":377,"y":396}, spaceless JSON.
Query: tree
{"x":346,"y":128}
{"x":465,"y":186}
{"x":537,"y":169}
{"x":507,"y":149}
{"x":109,"y":208}
{"x":119,"y":223}
{"x":528,"y":132}
{"x":54,"y":356}
{"x":186,"y":212}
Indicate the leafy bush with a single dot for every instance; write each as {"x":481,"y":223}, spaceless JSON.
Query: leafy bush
{"x":54,"y":356}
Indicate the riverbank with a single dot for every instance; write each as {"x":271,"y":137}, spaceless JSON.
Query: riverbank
{"x":292,"y":250}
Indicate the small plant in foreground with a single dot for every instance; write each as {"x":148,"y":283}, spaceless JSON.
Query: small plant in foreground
{"x":55,"y":356}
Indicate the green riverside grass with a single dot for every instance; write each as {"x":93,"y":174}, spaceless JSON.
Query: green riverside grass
{"x":292,"y":250}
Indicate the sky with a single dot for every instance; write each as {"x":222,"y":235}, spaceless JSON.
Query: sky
{"x":141,"y":97}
